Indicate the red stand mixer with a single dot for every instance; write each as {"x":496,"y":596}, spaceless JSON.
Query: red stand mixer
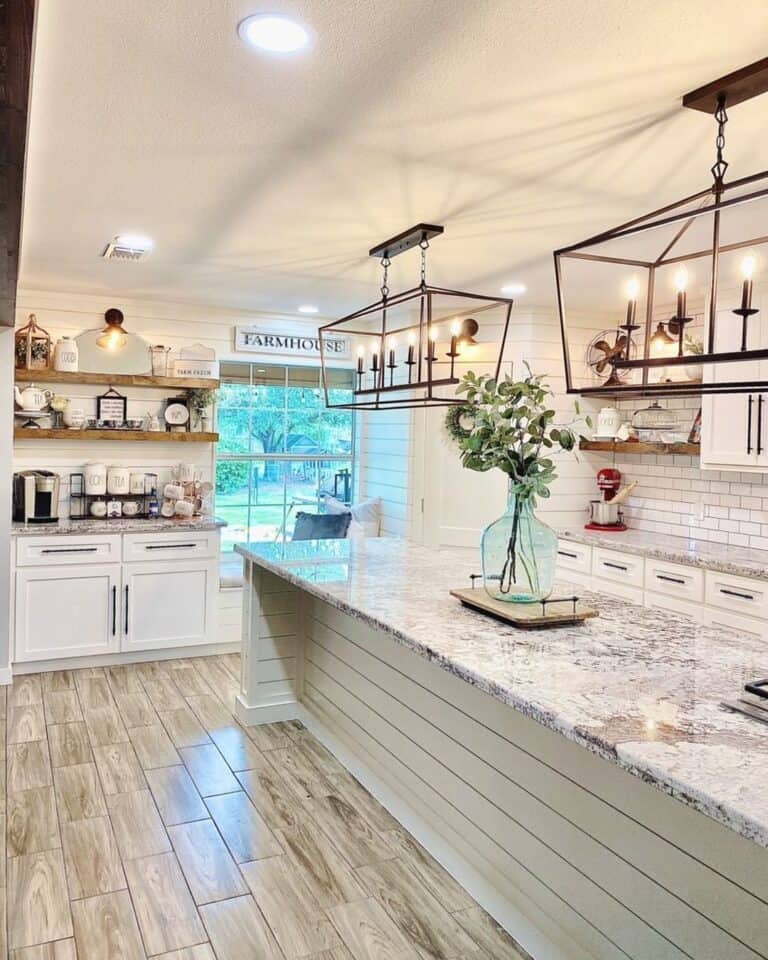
{"x":605,"y":514}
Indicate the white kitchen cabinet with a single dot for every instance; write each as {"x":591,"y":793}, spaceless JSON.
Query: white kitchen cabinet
{"x":67,"y":611}
{"x":733,"y":426}
{"x":168,"y":604}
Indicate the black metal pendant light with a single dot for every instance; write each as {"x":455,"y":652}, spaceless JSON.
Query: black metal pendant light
{"x":409,"y":345}
{"x":687,"y":271}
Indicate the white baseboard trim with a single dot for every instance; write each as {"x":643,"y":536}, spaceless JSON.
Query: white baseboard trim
{"x":6,"y":676}
{"x":527,"y":932}
{"x":133,"y":656}
{"x":265,"y":713}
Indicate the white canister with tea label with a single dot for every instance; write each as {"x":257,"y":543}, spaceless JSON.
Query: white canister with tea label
{"x":95,"y":478}
{"x":65,"y":356}
{"x":608,"y":422}
{"x":118,"y":480}
{"x":137,"y":484}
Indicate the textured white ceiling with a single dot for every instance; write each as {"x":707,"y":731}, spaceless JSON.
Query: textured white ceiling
{"x":521,"y":125}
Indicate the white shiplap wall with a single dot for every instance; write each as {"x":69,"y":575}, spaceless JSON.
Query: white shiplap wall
{"x":387,"y":459}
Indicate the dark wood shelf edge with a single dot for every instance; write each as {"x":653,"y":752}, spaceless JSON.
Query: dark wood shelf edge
{"x":116,"y":379}
{"x":38,"y":433}
{"x":619,"y":446}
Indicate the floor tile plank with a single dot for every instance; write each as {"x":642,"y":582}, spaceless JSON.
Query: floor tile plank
{"x":119,"y":768}
{"x":78,"y":792}
{"x":62,"y":706}
{"x":183,"y":727}
{"x":419,"y":916}
{"x":206,"y":863}
{"x":243,"y":829}
{"x":29,"y":765}
{"x":138,"y":828}
{"x":175,"y":794}
{"x":348,"y":831}
{"x":189,"y":682}
{"x":55,"y":680}
{"x":167,"y":916}
{"x":202,"y":951}
{"x":324,"y":870}
{"x":369,"y":808}
{"x":368,"y":931}
{"x":208,"y":769}
{"x":58,"y":950}
{"x":24,"y":690}
{"x":38,"y":901}
{"x":69,"y":744}
{"x":163,"y":693}
{"x":434,"y":877}
{"x":106,"y":928}
{"x":238,"y":932}
{"x":295,"y":917}
{"x":268,"y":794}
{"x":135,"y":709}
{"x":269,"y":736}
{"x":124,"y":678}
{"x":32,"y":822}
{"x":210,"y":711}
{"x":94,"y":692}
{"x":489,"y":936}
{"x":153,"y":746}
{"x":92,"y":858}
{"x":25,"y":723}
{"x":238,"y":749}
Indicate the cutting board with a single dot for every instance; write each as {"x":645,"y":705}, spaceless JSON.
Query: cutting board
{"x":557,"y":612}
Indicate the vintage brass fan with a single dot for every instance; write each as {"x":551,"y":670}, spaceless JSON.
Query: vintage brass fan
{"x":602,"y":353}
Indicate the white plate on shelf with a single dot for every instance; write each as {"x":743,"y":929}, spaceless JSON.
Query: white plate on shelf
{"x":176,"y":414}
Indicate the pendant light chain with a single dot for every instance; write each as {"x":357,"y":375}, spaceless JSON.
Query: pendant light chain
{"x":720,"y":165}
{"x":385,"y":262}
{"x":424,"y":246}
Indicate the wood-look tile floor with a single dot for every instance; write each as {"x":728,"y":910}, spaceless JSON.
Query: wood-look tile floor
{"x":140,"y":820}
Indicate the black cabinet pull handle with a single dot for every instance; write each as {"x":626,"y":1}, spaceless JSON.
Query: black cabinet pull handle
{"x":69,"y":550}
{"x":750,"y":401}
{"x":736,"y":593}
{"x":663,"y":576}
{"x":616,"y":566}
{"x":565,"y":553}
{"x":169,"y":546}
{"x":760,"y":401}
{"x":114,"y":611}
{"x":126,"y":609}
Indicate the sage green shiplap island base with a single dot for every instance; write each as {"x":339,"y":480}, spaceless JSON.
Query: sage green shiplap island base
{"x":582,"y":783}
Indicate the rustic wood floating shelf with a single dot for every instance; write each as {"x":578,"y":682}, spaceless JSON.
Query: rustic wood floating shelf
{"x":38,"y":433}
{"x":619,"y":446}
{"x":116,"y":379}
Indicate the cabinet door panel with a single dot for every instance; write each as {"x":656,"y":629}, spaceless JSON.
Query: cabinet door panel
{"x":168,"y":604}
{"x":66,"y":612}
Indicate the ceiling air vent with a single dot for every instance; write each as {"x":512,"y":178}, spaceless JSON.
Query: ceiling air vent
{"x":127,"y":248}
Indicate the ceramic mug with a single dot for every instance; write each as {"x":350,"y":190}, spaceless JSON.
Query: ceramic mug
{"x":118,"y":480}
{"x":98,"y":508}
{"x":167,"y":508}
{"x":130,"y":508}
{"x":184,"y":508}
{"x":173,"y":491}
{"x":137,"y":484}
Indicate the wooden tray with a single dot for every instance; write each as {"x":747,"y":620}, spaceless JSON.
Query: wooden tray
{"x":526,"y":615}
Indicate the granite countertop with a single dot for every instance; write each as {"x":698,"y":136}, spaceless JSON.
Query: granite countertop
{"x":121,"y":525}
{"x":637,"y":686}
{"x":742,"y":561}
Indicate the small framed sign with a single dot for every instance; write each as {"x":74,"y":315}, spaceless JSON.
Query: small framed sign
{"x":111,"y":406}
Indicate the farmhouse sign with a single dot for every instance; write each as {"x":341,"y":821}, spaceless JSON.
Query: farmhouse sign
{"x":258,"y":340}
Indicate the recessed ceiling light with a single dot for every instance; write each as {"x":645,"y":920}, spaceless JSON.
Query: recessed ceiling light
{"x":309,"y":308}
{"x":510,"y":289}
{"x":273,"y":33}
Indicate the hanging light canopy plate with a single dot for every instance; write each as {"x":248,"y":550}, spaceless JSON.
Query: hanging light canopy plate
{"x":676,"y":284}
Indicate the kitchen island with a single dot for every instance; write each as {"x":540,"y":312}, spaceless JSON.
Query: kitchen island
{"x":583,"y":783}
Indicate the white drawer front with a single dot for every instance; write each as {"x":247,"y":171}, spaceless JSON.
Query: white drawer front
{"x":619,"y":567}
{"x":615,"y":589}
{"x":575,"y":577}
{"x":674,"y":579}
{"x":574,"y":556}
{"x":65,"y":549}
{"x":748,"y":597}
{"x":734,"y":621}
{"x":169,"y":546}
{"x":663,"y":601}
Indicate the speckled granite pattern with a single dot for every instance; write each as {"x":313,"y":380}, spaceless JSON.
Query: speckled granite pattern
{"x":122,"y":525}
{"x":741,"y":561}
{"x":637,"y":686}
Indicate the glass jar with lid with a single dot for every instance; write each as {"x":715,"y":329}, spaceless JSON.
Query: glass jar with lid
{"x":655,"y":423}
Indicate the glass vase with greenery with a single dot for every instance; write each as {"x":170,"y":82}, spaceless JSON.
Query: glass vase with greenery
{"x":509,"y":425}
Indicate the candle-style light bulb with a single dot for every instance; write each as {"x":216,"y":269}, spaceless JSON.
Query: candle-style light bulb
{"x":748,"y":265}
{"x":681,"y":283}
{"x":633,"y":288}
{"x":374,"y":358}
{"x":747,"y":271}
{"x":455,"y":328}
{"x":391,"y":343}
{"x":432,"y":343}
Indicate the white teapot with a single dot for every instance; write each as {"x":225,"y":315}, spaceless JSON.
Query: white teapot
{"x":32,"y":398}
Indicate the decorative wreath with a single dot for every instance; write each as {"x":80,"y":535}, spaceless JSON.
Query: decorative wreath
{"x":459,"y":421}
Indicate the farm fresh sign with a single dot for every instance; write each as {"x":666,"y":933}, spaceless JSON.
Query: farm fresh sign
{"x":259,"y":340}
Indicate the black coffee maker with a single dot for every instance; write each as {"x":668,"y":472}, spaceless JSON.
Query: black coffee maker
{"x":36,"y":496}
